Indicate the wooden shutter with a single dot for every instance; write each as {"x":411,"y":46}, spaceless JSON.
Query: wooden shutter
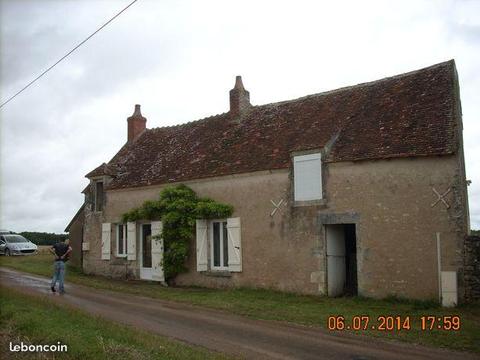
{"x":234,"y":245}
{"x":202,"y":261}
{"x":307,"y":177}
{"x":131,"y":241}
{"x":106,"y":240}
{"x":157,"y":252}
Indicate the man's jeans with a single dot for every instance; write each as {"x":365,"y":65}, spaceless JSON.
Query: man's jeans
{"x":59,"y":275}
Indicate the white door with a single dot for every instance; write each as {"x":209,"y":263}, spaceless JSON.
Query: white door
{"x":336,"y":267}
{"x":145,"y":251}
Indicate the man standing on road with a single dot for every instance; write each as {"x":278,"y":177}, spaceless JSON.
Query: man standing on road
{"x":61,"y":250}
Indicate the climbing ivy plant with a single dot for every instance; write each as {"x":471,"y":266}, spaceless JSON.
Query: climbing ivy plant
{"x":178,"y":207}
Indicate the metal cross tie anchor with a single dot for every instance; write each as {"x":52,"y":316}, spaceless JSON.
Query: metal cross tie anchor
{"x":277,"y":206}
{"x":441,"y":197}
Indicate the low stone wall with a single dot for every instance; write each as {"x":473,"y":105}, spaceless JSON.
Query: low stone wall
{"x":472,"y":268}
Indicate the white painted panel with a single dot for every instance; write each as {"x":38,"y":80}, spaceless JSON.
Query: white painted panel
{"x":336,"y":275}
{"x":336,"y":265}
{"x":157,"y":252}
{"x":106,"y":240}
{"x":335,"y":240}
{"x":234,"y":245}
{"x":307,"y":177}
{"x":201,"y":244}
{"x":449,"y":288}
{"x":131,"y":241}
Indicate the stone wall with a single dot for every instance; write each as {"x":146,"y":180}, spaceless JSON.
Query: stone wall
{"x":76,"y":236}
{"x":472,"y":268}
{"x":390,"y":201}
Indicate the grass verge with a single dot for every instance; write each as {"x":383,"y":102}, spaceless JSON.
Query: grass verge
{"x":36,"y":321}
{"x":279,"y":306}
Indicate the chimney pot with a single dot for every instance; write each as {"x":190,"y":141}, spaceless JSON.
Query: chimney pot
{"x":136,"y":123}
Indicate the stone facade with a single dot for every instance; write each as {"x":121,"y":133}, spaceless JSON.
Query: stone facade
{"x":390,"y":201}
{"x":472,"y":268}
{"x":75,"y":230}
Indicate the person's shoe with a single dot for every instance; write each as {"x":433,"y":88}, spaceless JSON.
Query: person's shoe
{"x":53,"y":288}
{"x":62,"y":292}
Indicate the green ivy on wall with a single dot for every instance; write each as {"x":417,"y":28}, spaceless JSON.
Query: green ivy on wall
{"x":178,"y":207}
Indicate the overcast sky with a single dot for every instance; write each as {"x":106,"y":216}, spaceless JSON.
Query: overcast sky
{"x":178,"y":59}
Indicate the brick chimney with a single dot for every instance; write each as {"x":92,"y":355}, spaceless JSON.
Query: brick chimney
{"x":136,"y":124}
{"x":239,"y":98}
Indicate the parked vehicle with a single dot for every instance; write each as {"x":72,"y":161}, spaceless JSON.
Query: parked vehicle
{"x":13,"y":244}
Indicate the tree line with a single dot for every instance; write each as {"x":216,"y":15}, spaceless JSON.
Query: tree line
{"x":43,"y":238}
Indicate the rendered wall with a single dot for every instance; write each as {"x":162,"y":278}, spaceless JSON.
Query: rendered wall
{"x":389,"y":200}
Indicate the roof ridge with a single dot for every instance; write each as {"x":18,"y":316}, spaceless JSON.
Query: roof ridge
{"x":360,"y":85}
{"x":323,"y":93}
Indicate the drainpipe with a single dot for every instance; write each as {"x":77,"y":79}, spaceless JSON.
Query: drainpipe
{"x":439,"y":268}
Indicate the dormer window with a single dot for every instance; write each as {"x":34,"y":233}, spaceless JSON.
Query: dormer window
{"x":307,"y":176}
{"x":98,"y":198}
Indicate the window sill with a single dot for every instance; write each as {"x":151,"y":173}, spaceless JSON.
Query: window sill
{"x":319,"y":202}
{"x":217,"y":273}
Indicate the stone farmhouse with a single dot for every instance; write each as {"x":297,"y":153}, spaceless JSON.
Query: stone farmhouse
{"x":359,"y":190}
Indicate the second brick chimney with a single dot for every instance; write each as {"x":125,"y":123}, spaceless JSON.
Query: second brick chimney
{"x":239,"y":98}
{"x":136,"y":124}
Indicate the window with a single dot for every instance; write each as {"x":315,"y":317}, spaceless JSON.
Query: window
{"x":98,"y":196}
{"x":219,"y":245}
{"x":121,"y":240}
{"x":307,"y":174}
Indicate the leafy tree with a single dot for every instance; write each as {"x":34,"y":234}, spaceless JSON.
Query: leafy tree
{"x":178,"y":207}
{"x":43,"y":238}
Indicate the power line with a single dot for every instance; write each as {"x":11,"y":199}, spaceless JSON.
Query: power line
{"x":67,"y":54}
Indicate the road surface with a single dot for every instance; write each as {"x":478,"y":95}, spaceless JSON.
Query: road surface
{"x":220,"y":331}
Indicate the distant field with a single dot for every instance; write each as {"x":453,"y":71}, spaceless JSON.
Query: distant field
{"x":43,"y":249}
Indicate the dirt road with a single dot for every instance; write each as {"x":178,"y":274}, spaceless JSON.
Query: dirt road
{"x":231,"y":334}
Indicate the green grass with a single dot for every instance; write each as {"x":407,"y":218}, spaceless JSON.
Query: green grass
{"x":300,"y":309}
{"x":37,"y":321}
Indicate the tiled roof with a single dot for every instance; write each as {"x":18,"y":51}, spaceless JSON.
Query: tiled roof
{"x":102,"y":169}
{"x":407,"y":115}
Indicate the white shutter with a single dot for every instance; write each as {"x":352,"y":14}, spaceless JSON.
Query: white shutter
{"x":131,"y":241}
{"x":307,"y":176}
{"x":202,"y":262}
{"x":234,"y":245}
{"x":157,"y":252}
{"x":106,"y":240}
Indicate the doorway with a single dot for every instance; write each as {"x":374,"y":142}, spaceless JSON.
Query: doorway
{"x":341,"y":243}
{"x":146,"y":252}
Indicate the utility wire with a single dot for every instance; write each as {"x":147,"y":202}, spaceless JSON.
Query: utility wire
{"x":66,"y":55}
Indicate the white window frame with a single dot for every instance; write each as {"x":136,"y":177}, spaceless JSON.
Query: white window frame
{"x":222,"y":267}
{"x":124,"y":240}
{"x":297,"y":194}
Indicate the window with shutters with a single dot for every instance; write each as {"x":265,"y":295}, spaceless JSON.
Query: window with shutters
{"x":121,"y":240}
{"x":307,"y":176}
{"x":219,"y":245}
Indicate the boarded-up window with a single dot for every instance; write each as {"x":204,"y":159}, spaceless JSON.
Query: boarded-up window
{"x":307,"y":177}
{"x":99,"y":196}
